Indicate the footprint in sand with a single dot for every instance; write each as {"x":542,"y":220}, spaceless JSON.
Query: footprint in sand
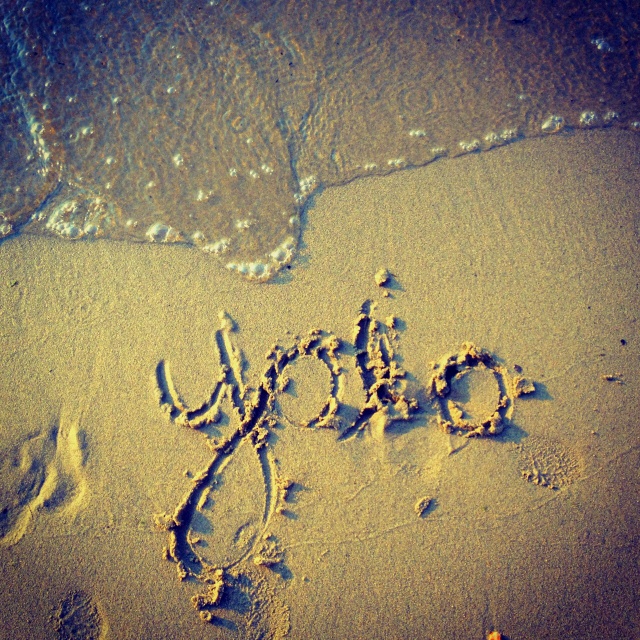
{"x":547,"y":463}
{"x":78,"y":617}
{"x":42,"y":473}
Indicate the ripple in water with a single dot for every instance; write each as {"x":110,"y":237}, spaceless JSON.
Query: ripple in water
{"x":211,"y":124}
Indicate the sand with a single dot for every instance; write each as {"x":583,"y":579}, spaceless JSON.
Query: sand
{"x":298,"y":444}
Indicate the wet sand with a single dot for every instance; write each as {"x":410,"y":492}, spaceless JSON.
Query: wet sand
{"x":357,"y":526}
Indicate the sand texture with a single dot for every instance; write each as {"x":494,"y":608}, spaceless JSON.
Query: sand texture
{"x":439,"y":450}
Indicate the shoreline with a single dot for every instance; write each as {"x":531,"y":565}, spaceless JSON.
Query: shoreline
{"x":271,"y":263}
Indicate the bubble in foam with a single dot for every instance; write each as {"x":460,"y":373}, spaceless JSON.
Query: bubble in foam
{"x":610,"y":116}
{"x":62,"y":227}
{"x":510,"y":135}
{"x":553,"y":124}
{"x":160,"y":232}
{"x":470,"y":146}
{"x":6,"y":228}
{"x":217,"y":247}
{"x":75,"y":214}
{"x":493,"y":139}
{"x":284,"y":252}
{"x":601,"y":44}
{"x":307,"y":184}
{"x":588,"y":119}
{"x":258,"y":271}
{"x":439,"y":152}
{"x":279,"y":255}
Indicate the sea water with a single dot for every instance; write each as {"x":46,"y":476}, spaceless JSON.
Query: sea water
{"x":212,"y":123}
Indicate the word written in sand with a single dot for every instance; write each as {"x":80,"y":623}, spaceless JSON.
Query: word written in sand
{"x":257,"y":410}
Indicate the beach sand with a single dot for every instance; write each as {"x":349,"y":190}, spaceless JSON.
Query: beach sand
{"x":375,"y":528}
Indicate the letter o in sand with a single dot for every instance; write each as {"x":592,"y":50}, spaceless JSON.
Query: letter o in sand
{"x":305,"y":395}
{"x":457,"y":378}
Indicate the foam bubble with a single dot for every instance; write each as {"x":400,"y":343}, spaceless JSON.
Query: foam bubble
{"x":588,"y":119}
{"x":470,"y":146}
{"x":160,"y":232}
{"x":6,"y":228}
{"x":259,"y":270}
{"x":610,"y":116}
{"x":198,"y":237}
{"x":256,"y":271}
{"x":284,"y":252}
{"x":279,"y":254}
{"x":65,"y":229}
{"x":509,"y":135}
{"x":493,"y":139}
{"x":439,"y":152}
{"x":553,"y":124}
{"x":217,"y":247}
{"x":601,"y":44}
{"x":78,"y":215}
{"x":307,"y":184}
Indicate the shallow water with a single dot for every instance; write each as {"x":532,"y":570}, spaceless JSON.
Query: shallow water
{"x":212,"y":123}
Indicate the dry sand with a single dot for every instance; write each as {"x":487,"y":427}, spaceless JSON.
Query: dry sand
{"x":347,"y":527}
